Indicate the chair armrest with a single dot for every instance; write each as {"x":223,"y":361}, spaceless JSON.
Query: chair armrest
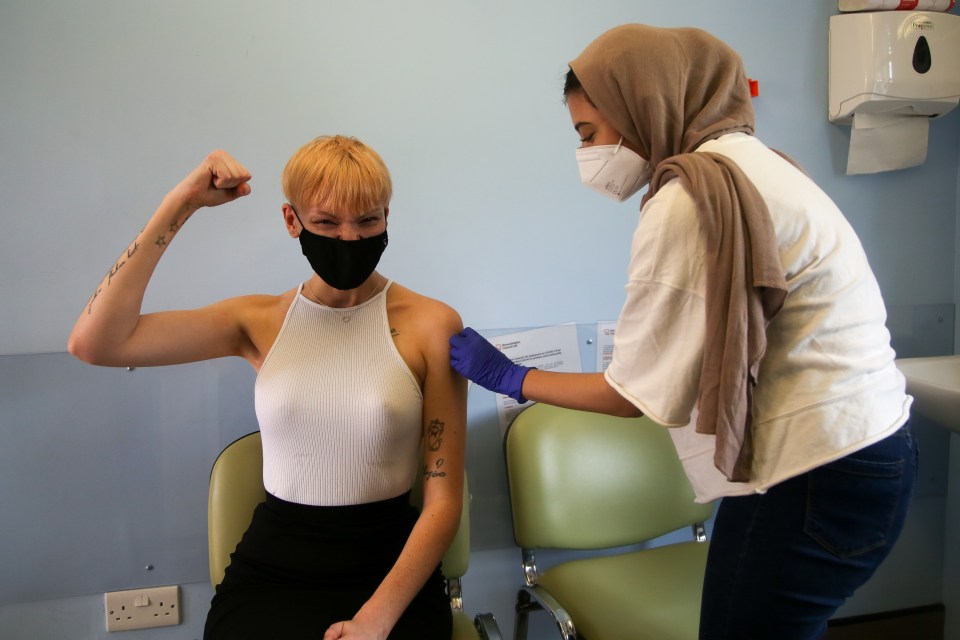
{"x":546,"y":601}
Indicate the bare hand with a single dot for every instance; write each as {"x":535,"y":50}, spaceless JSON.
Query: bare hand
{"x":217,"y":180}
{"x":351,"y":630}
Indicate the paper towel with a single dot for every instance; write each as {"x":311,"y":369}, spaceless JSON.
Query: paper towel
{"x":881,"y":142}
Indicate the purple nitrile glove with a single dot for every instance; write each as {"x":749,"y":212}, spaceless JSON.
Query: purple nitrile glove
{"x":478,"y":360}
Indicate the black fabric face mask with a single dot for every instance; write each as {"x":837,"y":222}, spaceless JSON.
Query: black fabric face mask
{"x":342,"y":264}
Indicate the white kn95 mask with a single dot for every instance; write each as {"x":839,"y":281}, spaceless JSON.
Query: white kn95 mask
{"x":613,"y":170}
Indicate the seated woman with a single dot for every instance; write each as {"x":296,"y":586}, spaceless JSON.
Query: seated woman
{"x":354,"y":395}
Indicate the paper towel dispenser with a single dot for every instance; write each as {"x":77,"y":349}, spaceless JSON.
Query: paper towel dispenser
{"x":904,"y":63}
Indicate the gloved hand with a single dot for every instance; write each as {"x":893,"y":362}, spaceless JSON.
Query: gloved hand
{"x":475,"y":358}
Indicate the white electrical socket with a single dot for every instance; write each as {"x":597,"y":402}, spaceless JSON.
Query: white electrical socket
{"x":142,"y":608}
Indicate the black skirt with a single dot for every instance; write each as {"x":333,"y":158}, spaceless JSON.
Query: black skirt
{"x":299,"y":569}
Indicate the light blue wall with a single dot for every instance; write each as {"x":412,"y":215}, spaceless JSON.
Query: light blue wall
{"x":106,"y":104}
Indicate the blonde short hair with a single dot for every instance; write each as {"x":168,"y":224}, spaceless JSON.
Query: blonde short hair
{"x":338,"y":172}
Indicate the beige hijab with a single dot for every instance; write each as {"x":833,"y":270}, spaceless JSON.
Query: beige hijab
{"x":668,"y":91}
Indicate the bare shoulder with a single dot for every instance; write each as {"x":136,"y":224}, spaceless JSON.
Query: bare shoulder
{"x":265,"y":301}
{"x":260,"y":317}
{"x":256,"y":305}
{"x":422,"y":312}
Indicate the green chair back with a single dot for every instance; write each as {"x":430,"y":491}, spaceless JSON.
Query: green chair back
{"x":236,"y":488}
{"x":581,"y":480}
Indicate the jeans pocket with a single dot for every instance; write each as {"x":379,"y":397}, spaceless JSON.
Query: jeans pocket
{"x":854,"y":503}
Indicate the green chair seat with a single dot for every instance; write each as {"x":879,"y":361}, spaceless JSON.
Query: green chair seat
{"x":463,"y":626}
{"x":607,"y":601}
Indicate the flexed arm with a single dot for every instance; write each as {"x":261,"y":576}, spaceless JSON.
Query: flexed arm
{"x":111,"y":330}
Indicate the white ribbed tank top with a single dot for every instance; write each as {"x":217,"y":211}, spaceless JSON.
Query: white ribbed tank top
{"x":340,"y":411}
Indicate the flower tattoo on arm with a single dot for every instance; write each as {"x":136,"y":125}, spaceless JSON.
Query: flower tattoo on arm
{"x":434,"y":435}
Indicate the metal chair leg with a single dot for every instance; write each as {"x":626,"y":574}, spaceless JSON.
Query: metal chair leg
{"x":487,"y":626}
{"x":534,"y":598}
{"x":525,"y":604}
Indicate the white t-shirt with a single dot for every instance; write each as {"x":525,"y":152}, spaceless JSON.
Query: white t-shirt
{"x":827,"y":385}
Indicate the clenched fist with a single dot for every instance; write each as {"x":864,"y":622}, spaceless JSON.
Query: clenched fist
{"x":217,"y":180}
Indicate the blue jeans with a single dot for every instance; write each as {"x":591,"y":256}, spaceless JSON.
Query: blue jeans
{"x":781,"y":563}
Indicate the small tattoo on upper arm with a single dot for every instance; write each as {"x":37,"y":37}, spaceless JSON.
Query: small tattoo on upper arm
{"x":434,"y":473}
{"x":161,"y":241}
{"x":434,"y":435}
{"x":393,"y":332}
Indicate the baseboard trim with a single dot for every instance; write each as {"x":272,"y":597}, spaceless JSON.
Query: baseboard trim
{"x":916,"y":623}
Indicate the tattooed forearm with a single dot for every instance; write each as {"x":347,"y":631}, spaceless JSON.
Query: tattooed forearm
{"x":161,"y":241}
{"x":115,"y":268}
{"x":434,"y":435}
{"x":131,"y":251}
{"x":94,"y":297}
{"x":434,"y":473}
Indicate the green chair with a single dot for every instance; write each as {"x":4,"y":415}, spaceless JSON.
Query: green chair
{"x":236,"y":488}
{"x":584,"y":481}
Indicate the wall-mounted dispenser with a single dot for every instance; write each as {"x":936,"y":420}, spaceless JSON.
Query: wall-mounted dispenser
{"x":890,"y":72}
